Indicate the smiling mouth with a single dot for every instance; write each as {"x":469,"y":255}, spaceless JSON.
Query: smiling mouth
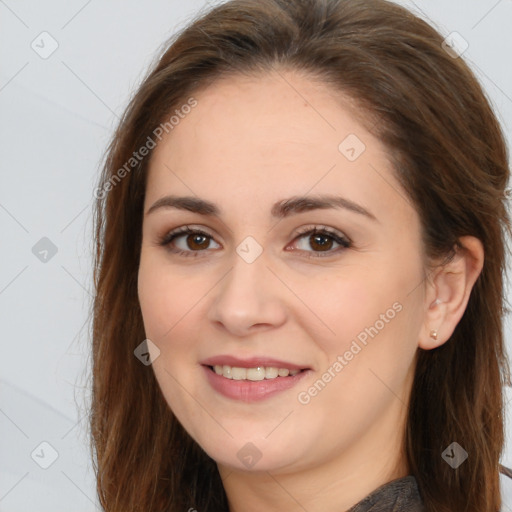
{"x":256,"y":373}
{"x":250,"y":383}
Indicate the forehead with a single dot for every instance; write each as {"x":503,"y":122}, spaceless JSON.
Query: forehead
{"x":267,"y":137}
{"x":286,"y":113}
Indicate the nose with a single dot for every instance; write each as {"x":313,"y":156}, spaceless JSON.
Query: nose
{"x":249,"y":299}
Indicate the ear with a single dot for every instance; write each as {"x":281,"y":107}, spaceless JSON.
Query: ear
{"x":448,"y":290}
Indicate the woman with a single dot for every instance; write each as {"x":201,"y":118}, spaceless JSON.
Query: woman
{"x":300,"y":252}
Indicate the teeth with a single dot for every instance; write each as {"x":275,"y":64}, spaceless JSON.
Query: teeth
{"x":239,"y":373}
{"x":271,"y":372}
{"x":254,"y":374}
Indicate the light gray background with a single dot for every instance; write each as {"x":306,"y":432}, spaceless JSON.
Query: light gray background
{"x":57,"y":115}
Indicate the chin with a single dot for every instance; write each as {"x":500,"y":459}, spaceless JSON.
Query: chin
{"x":251,"y":455}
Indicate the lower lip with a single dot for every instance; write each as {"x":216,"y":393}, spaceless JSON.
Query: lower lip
{"x":248,"y":390}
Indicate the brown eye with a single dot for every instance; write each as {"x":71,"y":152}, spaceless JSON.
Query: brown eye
{"x":194,"y":242}
{"x":322,"y":241}
{"x":187,"y":241}
{"x":197,"y":242}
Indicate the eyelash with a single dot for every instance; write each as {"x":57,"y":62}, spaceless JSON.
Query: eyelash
{"x":343,"y":241}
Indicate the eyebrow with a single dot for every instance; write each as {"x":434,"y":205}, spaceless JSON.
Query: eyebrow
{"x":280,"y":209}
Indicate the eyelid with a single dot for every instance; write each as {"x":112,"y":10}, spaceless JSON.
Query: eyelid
{"x":321,"y":229}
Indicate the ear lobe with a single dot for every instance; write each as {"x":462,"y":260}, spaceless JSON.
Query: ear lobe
{"x":448,"y":292}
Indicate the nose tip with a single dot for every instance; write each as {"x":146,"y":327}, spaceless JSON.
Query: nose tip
{"x":248,"y":299}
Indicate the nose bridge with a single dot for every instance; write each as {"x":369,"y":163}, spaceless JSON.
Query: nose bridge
{"x":249,"y":294}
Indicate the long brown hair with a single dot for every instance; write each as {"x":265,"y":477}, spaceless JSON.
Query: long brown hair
{"x":449,"y":154}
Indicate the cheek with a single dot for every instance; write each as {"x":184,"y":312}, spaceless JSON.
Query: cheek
{"x":166,"y":297}
{"x":368,"y":341}
{"x":168,"y":303}
{"x":343,"y":305}
{"x":156,"y":300}
{"x":370,"y":318}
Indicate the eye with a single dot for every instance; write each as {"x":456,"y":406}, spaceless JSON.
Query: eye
{"x":196,"y":241}
{"x":321,"y":239}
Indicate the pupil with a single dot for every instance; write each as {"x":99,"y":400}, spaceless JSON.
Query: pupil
{"x":325,"y":242}
{"x":196,"y":240}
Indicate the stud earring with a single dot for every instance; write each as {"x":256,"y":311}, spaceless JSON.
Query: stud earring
{"x":433,"y":334}
{"x":436,"y":302}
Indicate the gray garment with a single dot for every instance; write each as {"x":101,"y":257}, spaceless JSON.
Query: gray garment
{"x":402,"y":495}
{"x":399,"y":495}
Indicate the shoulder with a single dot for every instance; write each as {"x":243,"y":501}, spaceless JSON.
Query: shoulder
{"x":506,"y":488}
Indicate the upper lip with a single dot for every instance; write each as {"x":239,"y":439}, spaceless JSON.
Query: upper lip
{"x":251,"y":362}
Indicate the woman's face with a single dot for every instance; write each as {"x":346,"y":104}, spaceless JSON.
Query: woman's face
{"x":257,"y":295}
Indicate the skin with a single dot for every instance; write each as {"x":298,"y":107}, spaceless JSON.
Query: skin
{"x":249,"y":143}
